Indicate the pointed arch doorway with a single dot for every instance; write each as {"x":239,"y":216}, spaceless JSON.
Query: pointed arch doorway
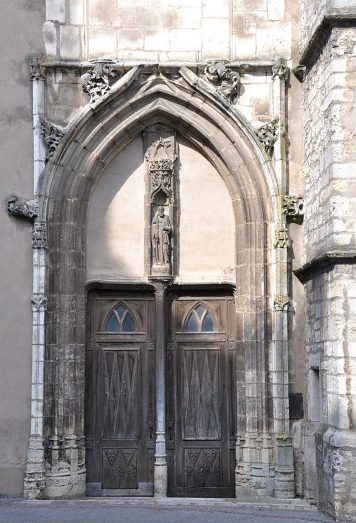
{"x":121,"y":393}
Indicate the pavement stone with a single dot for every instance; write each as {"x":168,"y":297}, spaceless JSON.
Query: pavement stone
{"x":169,"y":510}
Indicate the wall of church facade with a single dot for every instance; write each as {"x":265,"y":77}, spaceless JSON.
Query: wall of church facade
{"x":173,"y":30}
{"x":16,"y":153}
{"x":116,"y":220}
{"x":330,"y":154}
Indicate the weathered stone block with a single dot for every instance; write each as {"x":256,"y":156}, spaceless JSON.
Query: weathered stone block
{"x":215,"y":37}
{"x":70,"y":42}
{"x":129,"y":39}
{"x":187,"y":18}
{"x":157,"y":41}
{"x":214,"y":9}
{"x":76,"y":12}
{"x":185,"y":40}
{"x":50,"y":38}
{"x":102,"y":43}
{"x":56,"y":10}
{"x":276,"y":9}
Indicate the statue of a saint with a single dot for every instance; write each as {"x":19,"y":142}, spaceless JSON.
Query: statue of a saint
{"x":161,"y":242}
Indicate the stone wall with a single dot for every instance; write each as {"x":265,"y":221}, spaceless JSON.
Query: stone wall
{"x":16,"y":153}
{"x":330,"y":154}
{"x":329,"y":122}
{"x":173,"y":30}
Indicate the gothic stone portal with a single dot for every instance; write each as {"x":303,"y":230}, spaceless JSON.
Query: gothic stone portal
{"x":200,"y":402}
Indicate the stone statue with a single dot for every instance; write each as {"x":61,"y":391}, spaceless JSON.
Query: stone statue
{"x":161,"y":241}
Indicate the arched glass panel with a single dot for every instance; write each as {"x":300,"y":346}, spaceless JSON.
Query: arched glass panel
{"x":112,"y":325}
{"x":199,"y":320}
{"x":192,"y":325}
{"x":200,"y":311}
{"x":128,"y":323}
{"x":208,"y":324}
{"x":120,"y":320}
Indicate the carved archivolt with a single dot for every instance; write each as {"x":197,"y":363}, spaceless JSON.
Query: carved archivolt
{"x":21,"y":207}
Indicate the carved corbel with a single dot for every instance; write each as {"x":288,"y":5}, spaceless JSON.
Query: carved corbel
{"x":280,"y":70}
{"x":281,"y":238}
{"x":281,"y":303}
{"x":96,"y":81}
{"x":268,"y":135}
{"x":39,"y":236}
{"x":300,"y":72}
{"x":20,"y":207}
{"x":52,"y":135}
{"x":293,"y":208}
{"x":223,"y":78}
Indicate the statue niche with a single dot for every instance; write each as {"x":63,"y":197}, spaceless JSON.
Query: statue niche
{"x":160,"y":161}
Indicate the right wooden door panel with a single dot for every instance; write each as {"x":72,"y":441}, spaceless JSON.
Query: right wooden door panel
{"x":200,"y":415}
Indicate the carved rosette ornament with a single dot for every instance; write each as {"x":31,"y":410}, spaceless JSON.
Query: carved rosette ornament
{"x":281,"y":239}
{"x":22,"y":208}
{"x":39,"y":236}
{"x":223,"y":78}
{"x":160,"y":161}
{"x":293,"y":208}
{"x":268,"y":135}
{"x":96,"y":81}
{"x":52,"y":135}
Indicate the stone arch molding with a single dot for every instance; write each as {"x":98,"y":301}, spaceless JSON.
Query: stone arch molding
{"x":179,"y":99}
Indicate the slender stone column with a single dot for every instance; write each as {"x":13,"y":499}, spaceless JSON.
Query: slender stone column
{"x":284,"y":479}
{"x":160,"y":467}
{"x":35,"y":471}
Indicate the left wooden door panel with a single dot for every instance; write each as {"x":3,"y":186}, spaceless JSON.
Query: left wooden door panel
{"x":120,"y":392}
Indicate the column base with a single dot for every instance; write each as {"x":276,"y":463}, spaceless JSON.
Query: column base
{"x":160,"y":480}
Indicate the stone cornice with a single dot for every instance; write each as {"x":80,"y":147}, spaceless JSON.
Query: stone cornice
{"x":332,"y":18}
{"x":324,"y":263}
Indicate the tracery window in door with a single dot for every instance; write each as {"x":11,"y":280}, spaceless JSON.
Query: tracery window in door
{"x":120,"y":319}
{"x":199,"y":319}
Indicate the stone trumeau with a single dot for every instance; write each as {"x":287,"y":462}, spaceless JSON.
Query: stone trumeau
{"x":182,"y":255}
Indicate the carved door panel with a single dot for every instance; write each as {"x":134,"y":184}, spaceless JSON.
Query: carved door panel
{"x":120,"y":394}
{"x":201,"y":417}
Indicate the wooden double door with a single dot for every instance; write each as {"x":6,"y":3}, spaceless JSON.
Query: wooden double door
{"x":200,"y":395}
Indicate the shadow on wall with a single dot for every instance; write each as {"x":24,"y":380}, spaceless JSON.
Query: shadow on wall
{"x":115,"y":232}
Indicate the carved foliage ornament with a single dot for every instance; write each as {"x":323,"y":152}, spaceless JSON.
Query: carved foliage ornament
{"x":268,"y":135}
{"x":52,"y":135}
{"x":293,"y":208}
{"x":96,"y":81}
{"x":39,"y":302}
{"x":37,"y":69}
{"x":21,"y":207}
{"x":226,"y":81}
{"x":280,"y":70}
{"x":281,"y":303}
{"x":160,"y":158}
